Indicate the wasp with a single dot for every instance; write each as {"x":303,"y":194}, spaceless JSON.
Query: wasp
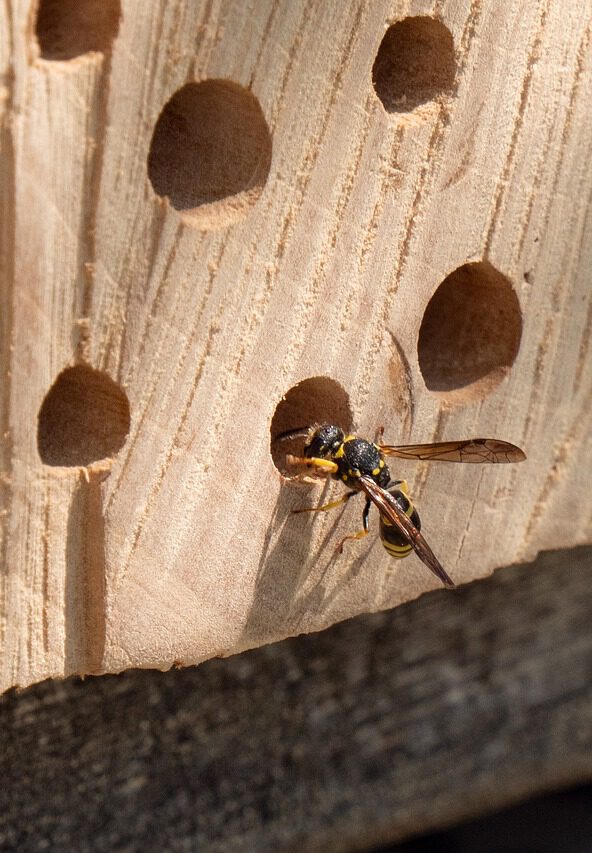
{"x":361,"y":466}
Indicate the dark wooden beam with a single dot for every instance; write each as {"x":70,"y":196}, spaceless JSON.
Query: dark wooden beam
{"x":382,"y":727}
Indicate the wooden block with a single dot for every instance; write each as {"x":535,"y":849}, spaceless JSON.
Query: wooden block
{"x":222,"y":221}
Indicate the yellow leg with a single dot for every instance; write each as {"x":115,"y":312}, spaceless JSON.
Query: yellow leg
{"x":324,"y":465}
{"x":327,"y":507}
{"x":361,"y":533}
{"x":403,"y":487}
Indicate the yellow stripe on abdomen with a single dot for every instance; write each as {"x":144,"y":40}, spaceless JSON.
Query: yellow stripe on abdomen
{"x":398,"y":551}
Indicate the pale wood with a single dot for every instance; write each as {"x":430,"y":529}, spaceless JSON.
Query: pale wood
{"x":183,"y":548}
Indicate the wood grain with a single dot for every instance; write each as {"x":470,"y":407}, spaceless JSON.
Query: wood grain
{"x":320,"y":261}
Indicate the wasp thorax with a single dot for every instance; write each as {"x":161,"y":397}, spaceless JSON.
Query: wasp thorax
{"x":360,"y":458}
{"x":362,"y":455}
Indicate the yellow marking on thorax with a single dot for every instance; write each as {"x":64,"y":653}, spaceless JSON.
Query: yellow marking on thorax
{"x":377,"y":471}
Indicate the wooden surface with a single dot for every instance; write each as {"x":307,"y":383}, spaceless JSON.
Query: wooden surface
{"x":319,"y":195}
{"x":388,"y":725}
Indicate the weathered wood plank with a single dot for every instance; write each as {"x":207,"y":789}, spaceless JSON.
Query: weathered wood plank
{"x":384,"y":726}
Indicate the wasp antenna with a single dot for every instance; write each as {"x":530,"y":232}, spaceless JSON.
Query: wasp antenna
{"x":299,"y":432}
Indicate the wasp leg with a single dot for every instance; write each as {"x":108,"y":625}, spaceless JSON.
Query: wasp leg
{"x":361,"y":533}
{"x":326,"y":507}
{"x":379,"y":436}
{"x":402,"y":485}
{"x":324,"y":465}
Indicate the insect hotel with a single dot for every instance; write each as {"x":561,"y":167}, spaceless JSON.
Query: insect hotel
{"x":227,"y":225}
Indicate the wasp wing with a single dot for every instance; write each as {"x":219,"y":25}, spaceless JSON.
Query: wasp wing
{"x":470,"y":450}
{"x":387,"y":507}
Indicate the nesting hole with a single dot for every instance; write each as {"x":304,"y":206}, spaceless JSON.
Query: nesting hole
{"x":210,"y":152}
{"x":318,"y":400}
{"x":470,"y":332}
{"x":68,"y":28}
{"x":84,"y":417}
{"x":415,"y":64}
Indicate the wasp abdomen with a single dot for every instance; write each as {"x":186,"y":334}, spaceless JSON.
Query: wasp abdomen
{"x":392,"y":539}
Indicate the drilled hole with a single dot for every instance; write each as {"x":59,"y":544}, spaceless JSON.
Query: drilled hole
{"x":84,"y":417}
{"x":319,"y":400}
{"x":470,"y":333}
{"x":210,"y":153}
{"x":415,"y":64}
{"x":68,"y":28}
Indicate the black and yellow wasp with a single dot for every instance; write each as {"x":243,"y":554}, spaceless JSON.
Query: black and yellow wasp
{"x":360,"y":465}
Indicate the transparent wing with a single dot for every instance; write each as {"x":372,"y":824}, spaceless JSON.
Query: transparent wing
{"x":471,"y":450}
{"x":387,"y":507}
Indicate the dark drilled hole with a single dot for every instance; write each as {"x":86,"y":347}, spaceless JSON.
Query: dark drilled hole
{"x":84,"y":417}
{"x":415,"y":64}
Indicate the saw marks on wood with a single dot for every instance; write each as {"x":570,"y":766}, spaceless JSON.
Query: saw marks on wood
{"x":222,"y":221}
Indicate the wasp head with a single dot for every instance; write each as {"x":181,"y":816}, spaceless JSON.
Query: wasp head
{"x":323,"y":440}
